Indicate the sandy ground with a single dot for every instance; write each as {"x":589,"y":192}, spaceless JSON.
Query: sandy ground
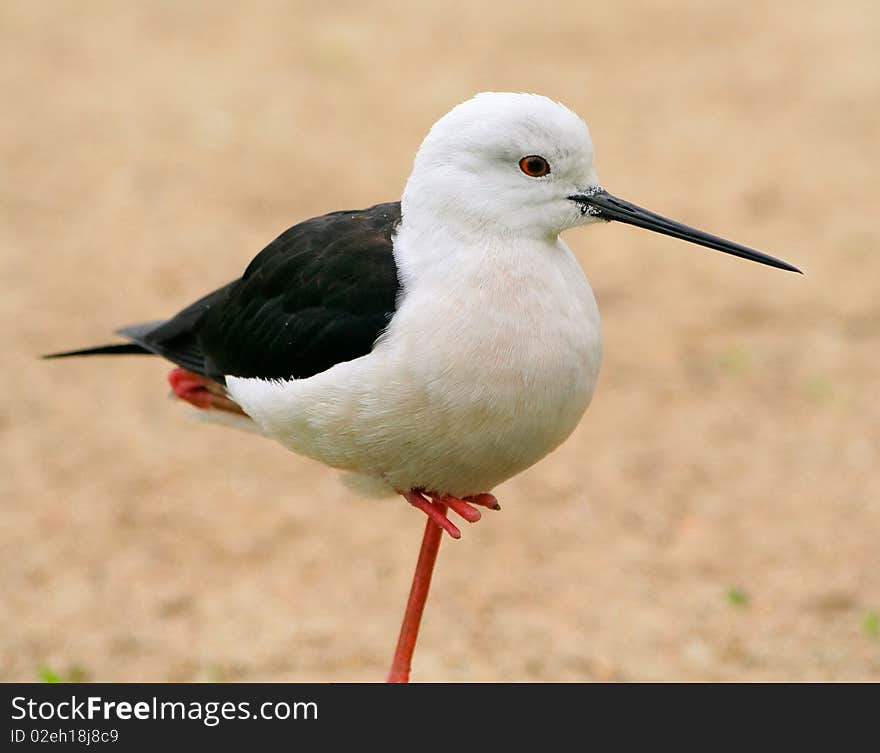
{"x":715,"y":516}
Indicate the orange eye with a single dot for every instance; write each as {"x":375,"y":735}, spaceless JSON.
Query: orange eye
{"x":534,"y":166}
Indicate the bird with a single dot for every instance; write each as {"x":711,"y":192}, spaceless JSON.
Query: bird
{"x":430,"y":348}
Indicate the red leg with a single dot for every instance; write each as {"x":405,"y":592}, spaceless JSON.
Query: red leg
{"x":464,"y":507}
{"x":437,"y":522}
{"x":418,"y":594}
{"x":201,"y":392}
{"x":484,"y":500}
{"x":468,"y":512}
{"x":436,"y":511}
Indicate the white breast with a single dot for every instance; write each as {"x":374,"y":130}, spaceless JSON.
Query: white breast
{"x":488,"y":365}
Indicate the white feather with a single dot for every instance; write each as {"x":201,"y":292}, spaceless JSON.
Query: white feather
{"x":492,"y":356}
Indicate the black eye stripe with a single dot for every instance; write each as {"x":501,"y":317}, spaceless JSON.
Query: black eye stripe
{"x":534,"y":165}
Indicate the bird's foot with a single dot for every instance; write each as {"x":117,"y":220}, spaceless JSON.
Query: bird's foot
{"x":434,"y":506}
{"x":201,"y":392}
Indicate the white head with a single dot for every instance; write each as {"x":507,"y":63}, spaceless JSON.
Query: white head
{"x":522,"y":165}
{"x":482,"y":166}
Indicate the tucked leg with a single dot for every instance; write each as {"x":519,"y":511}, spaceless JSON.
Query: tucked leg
{"x":201,"y":392}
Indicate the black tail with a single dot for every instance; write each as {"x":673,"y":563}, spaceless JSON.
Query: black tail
{"x":135,"y":334}
{"x":172,"y":339}
{"x":175,"y":339}
{"x":102,"y":350}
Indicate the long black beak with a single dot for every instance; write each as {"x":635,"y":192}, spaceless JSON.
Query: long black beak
{"x":603,"y":205}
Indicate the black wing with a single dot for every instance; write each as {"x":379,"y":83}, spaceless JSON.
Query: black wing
{"x":321,"y":293}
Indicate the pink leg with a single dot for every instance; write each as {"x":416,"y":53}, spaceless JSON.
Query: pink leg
{"x":464,"y":507}
{"x":435,"y":507}
{"x":470,"y":513}
{"x":201,"y":392}
{"x":415,"y":605}
{"x":436,"y":511}
{"x":484,"y":500}
{"x":437,"y":522}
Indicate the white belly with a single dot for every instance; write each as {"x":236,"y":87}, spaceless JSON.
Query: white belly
{"x":463,"y":391}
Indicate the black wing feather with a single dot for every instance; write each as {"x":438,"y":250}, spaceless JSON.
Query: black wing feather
{"x":319,"y":294}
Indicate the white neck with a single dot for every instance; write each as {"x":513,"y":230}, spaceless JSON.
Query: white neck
{"x":443,"y":256}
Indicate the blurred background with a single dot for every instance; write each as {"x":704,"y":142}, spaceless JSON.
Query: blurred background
{"x":715,"y":516}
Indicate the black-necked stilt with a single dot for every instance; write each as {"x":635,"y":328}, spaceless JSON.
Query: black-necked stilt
{"x":433,"y":347}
